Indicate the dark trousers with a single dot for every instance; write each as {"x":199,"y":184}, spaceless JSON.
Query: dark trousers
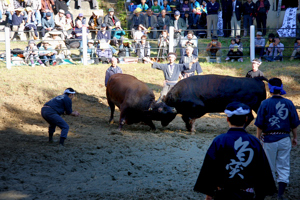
{"x":260,"y":51}
{"x":261,"y":20}
{"x":28,"y":28}
{"x":247,"y":22}
{"x":54,"y":120}
{"x":226,"y":25}
{"x":235,"y":54}
{"x":233,"y":195}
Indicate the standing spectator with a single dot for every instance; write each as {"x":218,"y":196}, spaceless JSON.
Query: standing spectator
{"x":236,"y":18}
{"x":113,"y":69}
{"x":174,"y":3}
{"x":106,"y":35}
{"x":136,"y":20}
{"x":117,"y":34}
{"x":143,"y":48}
{"x":212,"y":17}
{"x":166,"y":7}
{"x":163,"y":45}
{"x":60,"y":20}
{"x":31,"y":54}
{"x":47,"y":24}
{"x":201,"y":25}
{"x":110,"y":19}
{"x":143,"y":6}
{"x":275,"y":51}
{"x":259,"y":44}
{"x":226,"y":16}
{"x":249,"y":15}
{"x":235,"y":165}
{"x":255,"y":72}
{"x":47,"y":8}
{"x":81,"y":18}
{"x":18,"y":22}
{"x":233,"y":51}
{"x":94,"y":4}
{"x":36,"y":6}
{"x":95,"y":22}
{"x":30,"y":23}
{"x":104,"y":52}
{"x":156,"y":8}
{"x":185,"y":7}
{"x":296,"y":52}
{"x":262,"y":9}
{"x":151,"y":24}
{"x":47,"y":54}
{"x":276,"y":118}
{"x":163,"y":20}
{"x":213,"y":49}
{"x":187,"y":58}
{"x":189,"y":40}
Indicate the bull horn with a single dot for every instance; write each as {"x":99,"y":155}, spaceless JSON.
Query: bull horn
{"x":174,"y":110}
{"x":150,"y":109}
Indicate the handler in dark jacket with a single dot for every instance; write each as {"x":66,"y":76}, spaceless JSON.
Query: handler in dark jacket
{"x":54,"y":108}
{"x":249,"y":15}
{"x":110,"y":19}
{"x":236,"y":13}
{"x":262,"y":8}
{"x":113,"y":69}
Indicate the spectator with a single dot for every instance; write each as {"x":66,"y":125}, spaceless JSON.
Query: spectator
{"x":47,"y":24}
{"x":136,"y":20}
{"x":77,"y":32}
{"x":174,"y":3}
{"x":296,"y":52}
{"x":143,"y":6}
{"x":117,"y":34}
{"x":94,"y":4}
{"x":189,"y":20}
{"x":91,"y":52}
{"x":151,"y":24}
{"x":104,"y":52}
{"x":240,"y":48}
{"x":143,"y":48}
{"x":106,"y":35}
{"x":270,"y":40}
{"x":262,"y":9}
{"x":195,"y":5}
{"x":187,"y":58}
{"x":184,"y":7}
{"x":236,"y":18}
{"x":179,"y":25}
{"x":276,"y":118}
{"x":233,"y":51}
{"x":213,"y":49}
{"x":69,"y":25}
{"x":30,"y":23}
{"x":249,"y":15}
{"x":201,"y":25}
{"x":57,"y":43}
{"x":81,"y":18}
{"x":110,"y":19}
{"x":36,"y":6}
{"x":47,"y":8}
{"x":61,"y":5}
{"x":163,"y":21}
{"x":1,"y":11}
{"x":255,"y":72}
{"x":163,"y":45}
{"x":113,"y":69}
{"x":18,"y":21}
{"x":125,"y":49}
{"x":60,"y":20}
{"x":47,"y":54}
{"x":212,"y":17}
{"x":203,"y":8}
{"x":275,"y":51}
{"x":189,"y":40}
{"x":139,"y":33}
{"x":259,"y":44}
{"x":95,"y":22}
{"x":226,"y":16}
{"x":235,"y":165}
{"x":156,"y":8}
{"x":166,"y":7}
{"x":31,"y":54}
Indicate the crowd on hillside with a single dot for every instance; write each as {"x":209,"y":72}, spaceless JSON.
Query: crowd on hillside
{"x":150,"y":19}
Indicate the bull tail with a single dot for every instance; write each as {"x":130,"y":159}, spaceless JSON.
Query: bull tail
{"x":262,"y":78}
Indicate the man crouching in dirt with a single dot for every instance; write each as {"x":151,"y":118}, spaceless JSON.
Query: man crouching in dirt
{"x":52,"y":110}
{"x":235,"y":166}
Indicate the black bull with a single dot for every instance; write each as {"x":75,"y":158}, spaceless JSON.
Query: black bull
{"x":197,"y":95}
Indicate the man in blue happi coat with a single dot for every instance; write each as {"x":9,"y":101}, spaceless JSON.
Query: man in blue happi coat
{"x":57,"y":106}
{"x":171,"y":71}
{"x":235,"y":165}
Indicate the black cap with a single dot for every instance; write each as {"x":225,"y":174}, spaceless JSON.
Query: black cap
{"x":214,"y":38}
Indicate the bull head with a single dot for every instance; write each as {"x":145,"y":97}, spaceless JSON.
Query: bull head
{"x":160,"y":111}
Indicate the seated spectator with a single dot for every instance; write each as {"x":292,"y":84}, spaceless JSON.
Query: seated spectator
{"x":143,"y":6}
{"x":57,"y":43}
{"x":47,"y":24}
{"x":81,"y":18}
{"x":275,"y":51}
{"x":175,"y":3}
{"x":18,"y":22}
{"x":31,"y":54}
{"x":104,"y":52}
{"x":259,"y":44}
{"x":143,"y":48}
{"x":47,"y":8}
{"x":125,"y":49}
{"x":195,"y":5}
{"x":270,"y":40}
{"x":77,"y":33}
{"x":117,"y":34}
{"x":36,"y":6}
{"x":213,"y":50}
{"x":166,"y":7}
{"x":187,"y":58}
{"x":163,"y":21}
{"x":113,"y":69}
{"x":60,"y":20}
{"x":255,"y":72}
{"x":94,"y":4}
{"x":136,"y":20}
{"x":149,"y":3}
{"x":30,"y":23}
{"x":233,"y":51}
{"x":240,"y":49}
{"x":296,"y":52}
{"x":163,"y":46}
{"x":139,"y":33}
{"x":185,"y":6}
{"x":156,"y":8}
{"x":189,"y":40}
{"x":62,"y":5}
{"x":110,"y":19}
{"x":179,"y":25}
{"x":47,"y":54}
{"x":151,"y":24}
{"x":203,"y":8}
{"x":95,"y":22}
{"x":91,"y":52}
{"x":69,"y":25}
{"x":104,"y":34}
{"x":201,"y":25}
{"x":189,"y":20}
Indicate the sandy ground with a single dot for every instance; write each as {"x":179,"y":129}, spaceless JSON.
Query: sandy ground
{"x":100,"y":163}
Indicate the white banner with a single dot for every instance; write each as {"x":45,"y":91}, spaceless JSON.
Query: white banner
{"x":288,"y":28}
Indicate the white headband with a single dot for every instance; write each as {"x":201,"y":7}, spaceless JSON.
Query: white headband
{"x":257,"y":62}
{"x":239,"y":111}
{"x":68,"y":91}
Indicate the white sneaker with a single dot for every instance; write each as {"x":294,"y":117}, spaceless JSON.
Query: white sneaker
{"x":33,"y":65}
{"x":43,"y":65}
{"x":232,"y":60}
{"x":227,"y":59}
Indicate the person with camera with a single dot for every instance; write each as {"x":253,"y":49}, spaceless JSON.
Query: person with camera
{"x":163,"y":45}
{"x":213,"y":49}
{"x":187,"y":58}
{"x":189,"y":40}
{"x":275,"y":51}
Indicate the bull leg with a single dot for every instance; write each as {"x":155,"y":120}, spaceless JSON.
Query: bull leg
{"x":122,"y":117}
{"x":112,"y":111}
{"x":189,"y":123}
{"x":150,"y":123}
{"x":249,"y":120}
